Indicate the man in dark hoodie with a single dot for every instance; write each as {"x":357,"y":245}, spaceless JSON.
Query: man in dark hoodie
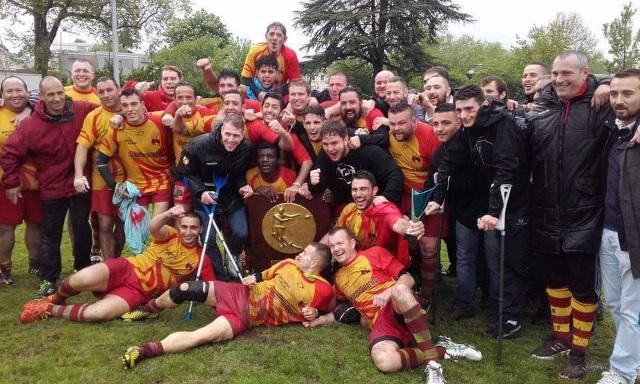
{"x":223,"y":155}
{"x":567,"y":140}
{"x":47,"y":138}
{"x":490,"y":146}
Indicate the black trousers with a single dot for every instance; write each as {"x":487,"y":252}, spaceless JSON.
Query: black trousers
{"x":54,"y":213}
{"x":576,"y":270}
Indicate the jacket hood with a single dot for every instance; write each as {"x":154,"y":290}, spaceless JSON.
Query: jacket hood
{"x":41,"y":111}
{"x":491,"y":112}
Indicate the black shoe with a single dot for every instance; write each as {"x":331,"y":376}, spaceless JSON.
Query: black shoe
{"x":510,"y":328}
{"x":457,"y":313}
{"x":576,"y":367}
{"x":550,"y":349}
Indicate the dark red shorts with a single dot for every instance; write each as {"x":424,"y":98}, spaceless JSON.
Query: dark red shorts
{"x":28,"y":209}
{"x":124,"y":283}
{"x":232,"y":302}
{"x":431,"y":223}
{"x":181,"y":193}
{"x":159,"y":196}
{"x":101,"y":202}
{"x":390,"y":326}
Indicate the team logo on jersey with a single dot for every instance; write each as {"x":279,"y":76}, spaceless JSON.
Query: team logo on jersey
{"x":185,"y":160}
{"x":345,"y":172}
{"x":416,"y":159}
{"x":155,"y":141}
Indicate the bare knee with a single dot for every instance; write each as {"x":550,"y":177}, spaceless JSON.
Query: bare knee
{"x":384,"y":359}
{"x":105,"y":224}
{"x":401,"y":292}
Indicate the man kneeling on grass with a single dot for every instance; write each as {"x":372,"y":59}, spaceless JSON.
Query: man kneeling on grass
{"x":291,"y":291}
{"x":379,"y":288}
{"x":127,"y":283}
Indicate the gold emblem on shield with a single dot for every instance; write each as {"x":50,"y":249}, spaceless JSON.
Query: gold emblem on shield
{"x":288,"y":228}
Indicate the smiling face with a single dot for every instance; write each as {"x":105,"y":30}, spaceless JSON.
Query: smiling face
{"x":380,"y":83}
{"x":335,"y":146}
{"x":350,"y":107}
{"x":362,"y":193}
{"x":185,"y":95}
{"x":298,"y":98}
{"x":82,"y":75}
{"x":395,"y":93}
{"x":624,"y":97}
{"x":189,"y":230}
{"x":445,"y":125}
{"x":313,"y":124}
{"x":53,"y":96}
{"x":491,"y":90}
{"x":109,"y":94}
{"x":231,"y":136}
{"x":271,"y":109}
{"x":467,"y":110}
{"x":168,"y":81}
{"x":567,"y":77}
{"x":437,"y":89}
{"x":343,"y":247}
{"x":226,"y":84}
{"x":133,"y":109}
{"x":232,"y":103}
{"x":530,"y":76}
{"x":14,"y":94}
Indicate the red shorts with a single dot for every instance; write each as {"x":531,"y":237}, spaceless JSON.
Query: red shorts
{"x":232,"y":302}
{"x":390,"y":326}
{"x":28,"y":208}
{"x":181,"y":193}
{"x":431,"y":223}
{"x":124,"y":283}
{"x":101,"y":202}
{"x":159,"y":196}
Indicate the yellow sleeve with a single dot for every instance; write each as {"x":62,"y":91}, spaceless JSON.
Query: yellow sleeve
{"x":88,"y":133}
{"x":270,"y":273}
{"x":109,"y":143}
{"x":249,"y":67}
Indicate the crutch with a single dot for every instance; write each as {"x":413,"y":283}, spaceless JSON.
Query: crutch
{"x":505,"y":191}
{"x":210,"y":211}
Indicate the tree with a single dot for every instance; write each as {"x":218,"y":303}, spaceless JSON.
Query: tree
{"x":566,"y":32}
{"x":199,"y":24}
{"x":624,"y":46}
{"x":94,"y":16}
{"x":384,"y":33}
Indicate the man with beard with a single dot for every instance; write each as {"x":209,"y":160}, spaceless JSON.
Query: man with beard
{"x":268,"y":178}
{"x":82,"y":74}
{"x":126,"y":283}
{"x":159,"y":99}
{"x":369,"y":129}
{"x":27,"y":208}
{"x":397,"y":92}
{"x":94,"y":129}
{"x":436,"y":91}
{"x":337,"y":164}
{"x":532,"y":73}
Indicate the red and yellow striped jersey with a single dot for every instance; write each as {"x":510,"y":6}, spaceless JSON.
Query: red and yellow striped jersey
{"x":94,"y":128}
{"x":285,"y":179}
{"x":28,"y":180}
{"x":192,"y":130}
{"x":288,"y":65}
{"x":91,"y":96}
{"x":283,"y":292}
{"x":144,"y":152}
{"x":371,"y":272}
{"x":413,"y":155}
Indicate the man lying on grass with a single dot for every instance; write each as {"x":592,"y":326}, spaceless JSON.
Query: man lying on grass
{"x":288,"y":292}
{"x":379,"y":288}
{"x":124,"y":284}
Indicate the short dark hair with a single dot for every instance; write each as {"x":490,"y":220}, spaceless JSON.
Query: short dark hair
{"x":346,"y":230}
{"x":397,"y":79}
{"x":300,"y":83}
{"x":183,"y":83}
{"x":351,"y":88}
{"x":269,"y":61}
{"x":131,"y":92}
{"x":314,"y":110}
{"x":274,"y":95}
{"x":501,"y":85}
{"x":171,"y":68}
{"x":14,"y":77}
{"x":445,"y":107}
{"x":544,"y":66}
{"x":469,"y":92}
{"x":227,"y":72}
{"x":192,"y":215}
{"x":266,"y":145}
{"x":235,"y":120}
{"x":277,"y":24}
{"x":324,"y":254}
{"x":340,"y":74}
{"x":103,"y":79}
{"x":630,"y":72}
{"x":332,"y":127}
{"x":437,"y":70}
{"x":401,"y":107}
{"x":363,"y":174}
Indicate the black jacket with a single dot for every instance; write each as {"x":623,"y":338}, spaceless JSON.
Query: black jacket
{"x":567,"y":146}
{"x":204,"y":157}
{"x":337,"y":176}
{"x":629,"y":192}
{"x":480,"y":159}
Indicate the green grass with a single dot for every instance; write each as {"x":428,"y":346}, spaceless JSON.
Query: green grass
{"x":56,"y":351}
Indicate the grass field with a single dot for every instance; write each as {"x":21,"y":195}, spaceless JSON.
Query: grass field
{"x":55,"y":351}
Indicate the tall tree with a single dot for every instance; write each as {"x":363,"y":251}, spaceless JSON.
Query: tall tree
{"x":196,"y":25}
{"x":94,"y":16}
{"x":624,"y":45}
{"x":384,"y":33}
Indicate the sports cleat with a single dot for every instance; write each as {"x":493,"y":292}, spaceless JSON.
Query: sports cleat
{"x":612,"y":377}
{"x":576,"y":367}
{"x":95,"y":257}
{"x":131,"y":357}
{"x":456,"y":351}
{"x":34,"y":270}
{"x":35,"y":310}
{"x":434,"y":373}
{"x":6,"y":278}
{"x":138,"y":314}
{"x":550,"y":349}
{"x":46,"y":288}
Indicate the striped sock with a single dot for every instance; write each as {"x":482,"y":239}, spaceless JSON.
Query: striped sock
{"x":560,"y":303}
{"x":427,"y":275}
{"x":64,"y":291}
{"x":151,"y":349}
{"x":152,"y":306}
{"x":73,"y":312}
{"x":583,"y":315}
{"x":416,"y":322}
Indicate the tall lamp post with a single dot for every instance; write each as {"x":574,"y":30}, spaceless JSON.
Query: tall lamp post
{"x":114,"y":39}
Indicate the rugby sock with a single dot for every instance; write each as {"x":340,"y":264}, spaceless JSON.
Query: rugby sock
{"x":151,"y":349}
{"x":152,"y":306}
{"x":560,"y":303}
{"x":64,"y":291}
{"x":73,"y":312}
{"x":416,"y":322}
{"x":583,"y":315}
{"x":427,"y":275}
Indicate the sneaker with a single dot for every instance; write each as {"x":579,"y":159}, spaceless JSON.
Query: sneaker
{"x":457,"y":314}
{"x":131,"y":357}
{"x":550,"y":349}
{"x":5,"y":278}
{"x":138,"y":314}
{"x":434,"y":373}
{"x":35,"y":310}
{"x":612,"y":377}
{"x":510,"y":328}
{"x":95,"y":257}
{"x":34,"y":270}
{"x":456,"y":351}
{"x":47,"y":288}
{"x":576,"y":367}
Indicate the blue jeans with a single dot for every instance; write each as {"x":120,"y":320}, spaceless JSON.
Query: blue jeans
{"x":468,"y":243}
{"x":622,"y":296}
{"x":235,"y":239}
